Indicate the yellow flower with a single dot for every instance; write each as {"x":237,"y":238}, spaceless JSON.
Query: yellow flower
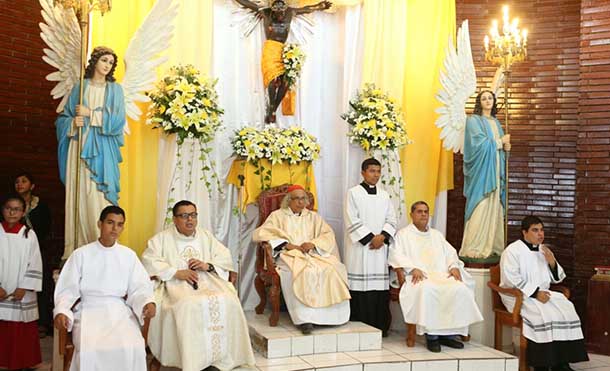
{"x":162,"y":109}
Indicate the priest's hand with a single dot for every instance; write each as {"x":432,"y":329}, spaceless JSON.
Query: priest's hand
{"x":548,"y":256}
{"x":149,"y":310}
{"x":61,"y":322}
{"x":18,"y":294}
{"x":307,"y":247}
{"x":197,"y":265}
{"x":187,"y":275}
{"x":543,"y":296}
{"x":3,"y":294}
{"x":417,"y":276}
{"x":377,"y":242}
{"x":455,"y":273}
{"x":290,"y":246}
{"x":506,"y":142}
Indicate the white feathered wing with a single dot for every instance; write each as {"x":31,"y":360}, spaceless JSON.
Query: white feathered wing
{"x":62,"y":35}
{"x":459,"y":82}
{"x":142,"y":56}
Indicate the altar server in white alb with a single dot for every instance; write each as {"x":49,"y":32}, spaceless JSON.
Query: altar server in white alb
{"x":370,"y":227}
{"x":103,"y":296}
{"x":313,"y":280}
{"x":201,"y":324}
{"x":20,"y":279}
{"x":438,"y":294}
{"x":550,"y":322}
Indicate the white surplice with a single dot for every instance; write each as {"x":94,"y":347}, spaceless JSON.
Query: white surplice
{"x":195,"y":328}
{"x":283,"y":226}
{"x":365,"y":213}
{"x":528,"y":270}
{"x":113,"y":288}
{"x":438,"y":305}
{"x":20,"y":267}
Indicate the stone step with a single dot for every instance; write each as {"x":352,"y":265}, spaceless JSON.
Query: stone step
{"x":286,"y":340}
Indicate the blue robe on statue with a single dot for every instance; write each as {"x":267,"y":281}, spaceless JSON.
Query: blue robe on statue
{"x":484,"y":171}
{"x":101,"y":148}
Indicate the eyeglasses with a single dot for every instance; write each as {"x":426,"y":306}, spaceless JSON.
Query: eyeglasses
{"x":187,"y":215}
{"x":13,"y":209}
{"x":299,"y":198}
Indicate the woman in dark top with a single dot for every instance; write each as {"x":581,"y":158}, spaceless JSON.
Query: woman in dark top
{"x":38,"y":218}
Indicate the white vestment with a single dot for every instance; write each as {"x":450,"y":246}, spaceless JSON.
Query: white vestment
{"x":20,"y":267}
{"x":365,"y":214}
{"x":438,"y":305}
{"x":283,"y":226}
{"x":113,"y":288}
{"x":91,"y":200}
{"x":528,"y":270}
{"x":195,"y":328}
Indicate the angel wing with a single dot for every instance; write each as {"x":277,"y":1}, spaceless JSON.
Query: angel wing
{"x":62,"y":35}
{"x":142,"y":56}
{"x":459,"y":82}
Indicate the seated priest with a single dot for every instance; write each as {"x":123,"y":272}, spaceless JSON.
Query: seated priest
{"x":313,"y":280}
{"x":200,"y":324}
{"x":550,"y":322}
{"x":438,"y":294}
{"x":115,"y":294}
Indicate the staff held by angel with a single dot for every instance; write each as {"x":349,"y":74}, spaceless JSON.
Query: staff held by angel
{"x":484,"y":145}
{"x":90,"y":127}
{"x":276,"y":22}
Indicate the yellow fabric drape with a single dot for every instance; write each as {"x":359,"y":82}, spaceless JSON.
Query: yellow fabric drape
{"x":301,"y":173}
{"x":140,"y":154}
{"x":404,"y":49}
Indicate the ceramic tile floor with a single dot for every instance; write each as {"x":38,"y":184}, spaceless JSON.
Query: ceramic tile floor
{"x":394,"y":356}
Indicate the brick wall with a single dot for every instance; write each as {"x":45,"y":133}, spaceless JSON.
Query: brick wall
{"x":560,"y":128}
{"x":27,"y":111}
{"x":593,"y":145}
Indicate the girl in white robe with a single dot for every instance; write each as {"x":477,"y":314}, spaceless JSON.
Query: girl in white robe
{"x":20,"y":279}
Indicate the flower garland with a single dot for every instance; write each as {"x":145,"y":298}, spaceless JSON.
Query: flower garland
{"x":186,"y":104}
{"x":293,"y":58}
{"x":376,"y":124}
{"x":277,"y":145}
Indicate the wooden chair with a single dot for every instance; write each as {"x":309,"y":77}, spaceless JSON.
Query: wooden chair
{"x":512,"y":319}
{"x":266,"y":274}
{"x":66,"y":345}
{"x":411,"y":327}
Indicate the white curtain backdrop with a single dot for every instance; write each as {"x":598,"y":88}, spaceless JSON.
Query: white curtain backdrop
{"x":330,"y":77}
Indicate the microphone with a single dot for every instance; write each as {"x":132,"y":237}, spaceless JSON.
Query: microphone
{"x":194,"y":284}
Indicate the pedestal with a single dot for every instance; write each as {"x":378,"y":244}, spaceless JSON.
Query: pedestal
{"x":483,"y":332}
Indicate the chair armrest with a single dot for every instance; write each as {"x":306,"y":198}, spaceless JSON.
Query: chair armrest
{"x":562,"y":289}
{"x":268,"y":250}
{"x":63,"y":340}
{"x":516,"y":293}
{"x":400,"y":274}
{"x":145,"y":329}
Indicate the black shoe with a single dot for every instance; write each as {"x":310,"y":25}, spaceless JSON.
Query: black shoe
{"x":433,"y":345}
{"x":211,"y":368}
{"x":563,"y":367}
{"x":306,"y":328}
{"x":451,"y":343}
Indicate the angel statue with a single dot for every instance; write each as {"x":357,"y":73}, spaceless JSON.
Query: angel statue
{"x":101,"y":117}
{"x":276,"y":22}
{"x":482,"y":141}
